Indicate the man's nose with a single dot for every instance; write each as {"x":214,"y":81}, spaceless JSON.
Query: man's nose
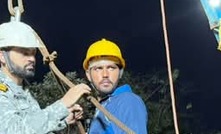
{"x":105,"y":73}
{"x":31,"y":58}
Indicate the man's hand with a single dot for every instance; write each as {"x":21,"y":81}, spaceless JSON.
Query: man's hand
{"x":74,"y":93}
{"x":76,"y":112}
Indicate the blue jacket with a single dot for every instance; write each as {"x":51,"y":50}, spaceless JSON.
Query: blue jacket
{"x":125,"y":106}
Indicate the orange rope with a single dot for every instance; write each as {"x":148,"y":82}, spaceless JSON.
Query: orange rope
{"x":169,"y":67}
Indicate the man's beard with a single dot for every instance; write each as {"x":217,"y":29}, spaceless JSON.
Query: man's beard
{"x":23,"y":72}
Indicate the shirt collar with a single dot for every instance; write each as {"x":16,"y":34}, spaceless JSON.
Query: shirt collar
{"x":121,"y":89}
{"x":10,"y":83}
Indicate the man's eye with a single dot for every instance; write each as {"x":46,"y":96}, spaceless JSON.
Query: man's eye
{"x":111,"y":68}
{"x":28,"y":53}
{"x":97,"y":68}
{"x":25,"y":53}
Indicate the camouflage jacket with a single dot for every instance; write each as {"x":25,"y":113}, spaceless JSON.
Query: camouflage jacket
{"x":20,"y":113}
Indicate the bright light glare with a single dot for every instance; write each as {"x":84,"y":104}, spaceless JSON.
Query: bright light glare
{"x":214,"y":3}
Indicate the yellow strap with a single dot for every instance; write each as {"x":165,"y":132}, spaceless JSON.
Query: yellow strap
{"x":3,"y":87}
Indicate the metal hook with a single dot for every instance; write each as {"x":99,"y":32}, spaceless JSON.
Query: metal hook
{"x":15,"y":11}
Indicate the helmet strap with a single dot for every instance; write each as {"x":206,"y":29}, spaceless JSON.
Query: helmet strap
{"x":121,"y":73}
{"x":8,"y":61}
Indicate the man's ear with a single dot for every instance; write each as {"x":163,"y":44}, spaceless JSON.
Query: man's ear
{"x":87,"y":72}
{"x":121,"y":73}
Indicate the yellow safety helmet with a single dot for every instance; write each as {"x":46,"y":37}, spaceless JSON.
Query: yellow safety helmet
{"x":103,"y":48}
{"x":17,"y":34}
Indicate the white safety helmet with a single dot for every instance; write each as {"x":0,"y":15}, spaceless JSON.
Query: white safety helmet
{"x":17,"y":34}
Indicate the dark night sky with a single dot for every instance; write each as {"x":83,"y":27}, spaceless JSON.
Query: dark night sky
{"x":136,"y":26}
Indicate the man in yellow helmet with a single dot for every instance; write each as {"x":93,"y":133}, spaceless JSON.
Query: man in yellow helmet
{"x":104,"y":67}
{"x":19,"y":111}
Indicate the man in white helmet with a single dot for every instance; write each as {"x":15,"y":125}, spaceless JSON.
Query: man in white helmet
{"x":19,"y":112}
{"x":104,"y":67}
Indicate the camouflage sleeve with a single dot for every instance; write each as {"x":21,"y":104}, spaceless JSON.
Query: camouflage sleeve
{"x":25,"y":122}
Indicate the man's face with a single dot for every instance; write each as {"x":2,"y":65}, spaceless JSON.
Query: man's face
{"x":23,"y":61}
{"x":104,"y":74}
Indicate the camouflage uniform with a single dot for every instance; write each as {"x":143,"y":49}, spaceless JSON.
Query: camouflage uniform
{"x":20,"y":113}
